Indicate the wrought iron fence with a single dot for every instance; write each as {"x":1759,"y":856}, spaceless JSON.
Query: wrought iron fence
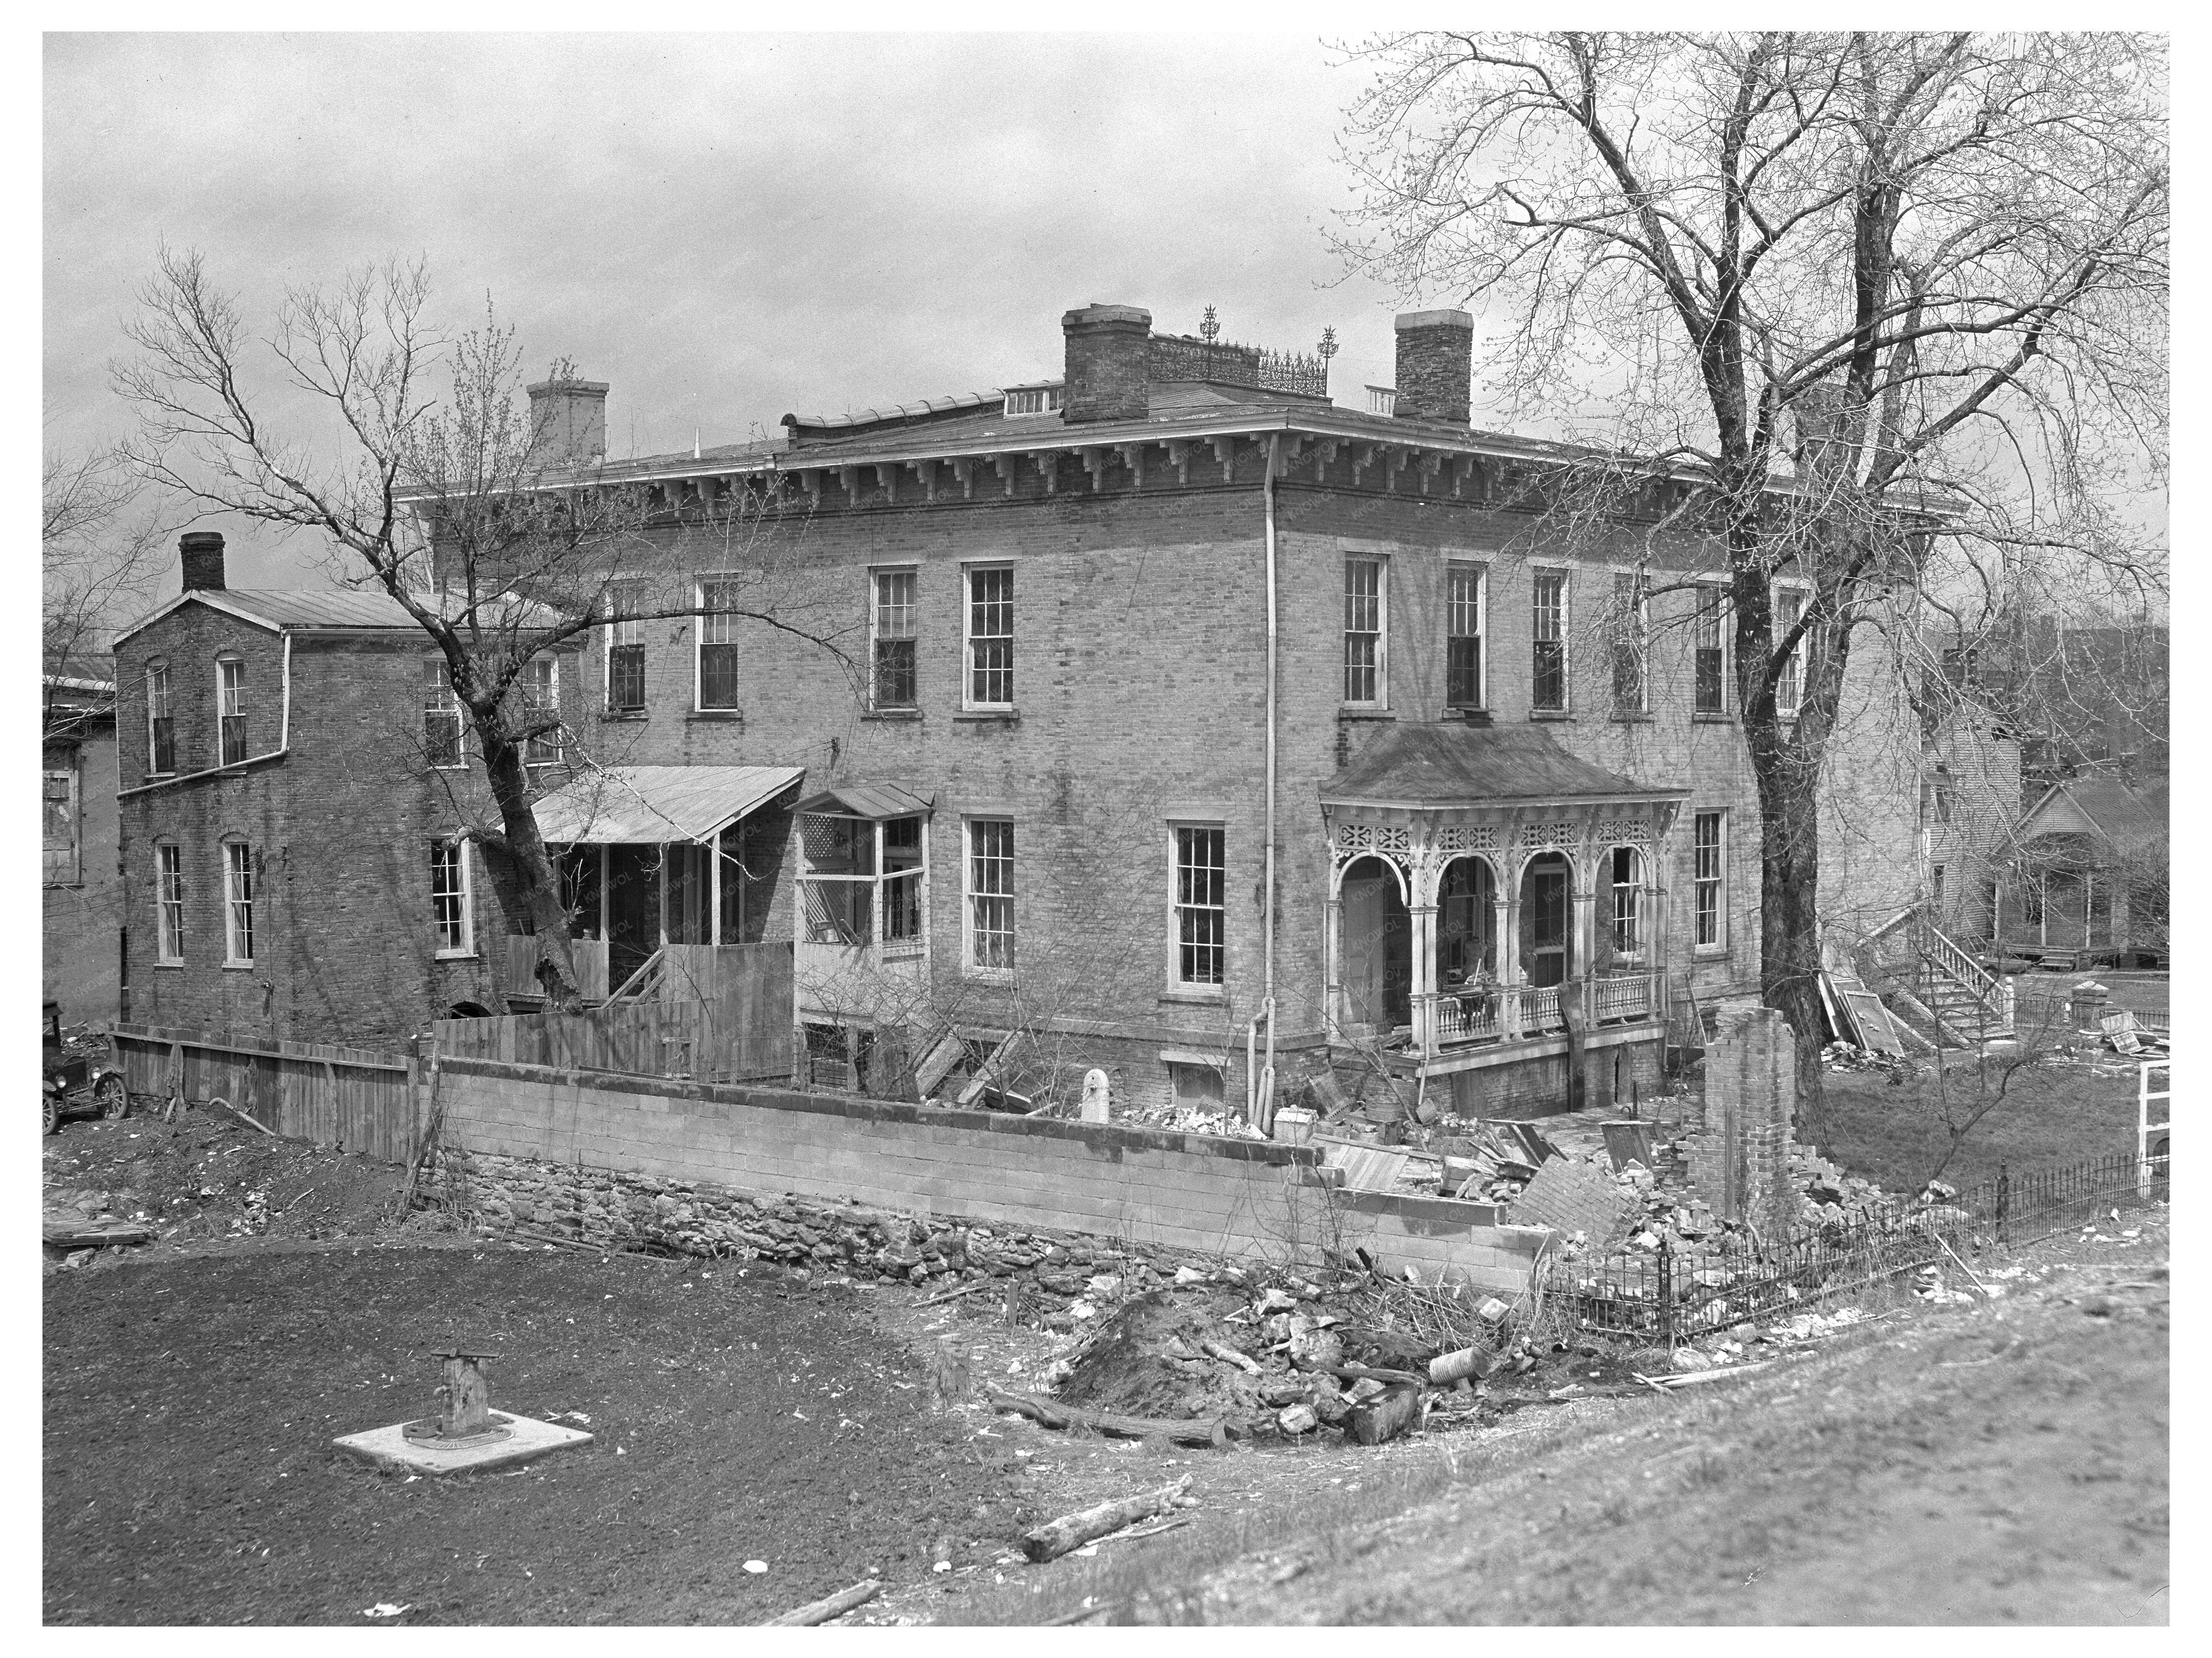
{"x":1175,"y":357}
{"x":1668,"y":1295}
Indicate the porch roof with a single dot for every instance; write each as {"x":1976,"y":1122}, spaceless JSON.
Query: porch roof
{"x":1422,"y":766}
{"x":875,"y":801}
{"x":657,"y":803}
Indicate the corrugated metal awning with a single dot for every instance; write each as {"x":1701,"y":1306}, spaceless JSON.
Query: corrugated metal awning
{"x":657,"y":803}
{"x":875,"y":801}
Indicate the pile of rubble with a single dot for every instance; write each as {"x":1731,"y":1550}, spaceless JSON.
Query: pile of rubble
{"x":1849,"y":1056}
{"x":1190,"y":1120}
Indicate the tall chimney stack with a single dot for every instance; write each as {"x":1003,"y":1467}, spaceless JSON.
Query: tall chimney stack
{"x":1436,"y":367}
{"x":1107,"y":375}
{"x":568,"y":423}
{"x":202,"y":552}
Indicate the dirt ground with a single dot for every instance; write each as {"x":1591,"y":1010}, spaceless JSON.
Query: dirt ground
{"x":2002,"y":1464}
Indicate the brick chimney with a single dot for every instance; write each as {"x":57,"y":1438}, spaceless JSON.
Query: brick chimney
{"x":202,"y":551}
{"x":1107,"y":347}
{"x":568,"y":423}
{"x":1436,"y":365}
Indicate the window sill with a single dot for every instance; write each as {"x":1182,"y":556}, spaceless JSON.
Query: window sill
{"x":717,"y":716}
{"x":987,"y":717}
{"x":458,"y":955}
{"x":1472,"y":716}
{"x":1550,"y":713}
{"x":458,"y":765}
{"x":1364,"y":711}
{"x":623,"y":716}
{"x":1709,"y":952}
{"x":63,"y":886}
{"x":893,"y":716}
{"x":1712,"y":717}
{"x":990,"y":976}
{"x":238,"y":967}
{"x":1623,"y":717}
{"x":1198,"y":995}
{"x":170,"y":966}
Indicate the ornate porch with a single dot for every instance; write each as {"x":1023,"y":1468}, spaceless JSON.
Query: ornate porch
{"x":1489,"y":894}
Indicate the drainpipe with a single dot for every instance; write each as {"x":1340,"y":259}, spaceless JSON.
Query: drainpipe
{"x":1268,"y":915}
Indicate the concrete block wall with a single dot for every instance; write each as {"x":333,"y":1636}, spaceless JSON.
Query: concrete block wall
{"x":1149,"y":1187}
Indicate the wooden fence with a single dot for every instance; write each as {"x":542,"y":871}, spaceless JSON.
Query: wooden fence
{"x":735,"y":1027}
{"x":350,"y":1099}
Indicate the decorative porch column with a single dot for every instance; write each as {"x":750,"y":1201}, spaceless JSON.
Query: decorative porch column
{"x":1332,"y":958}
{"x":1425,"y":875}
{"x":1509,"y":950}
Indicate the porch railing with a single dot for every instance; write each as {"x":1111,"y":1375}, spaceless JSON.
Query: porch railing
{"x":1457,"y":1018}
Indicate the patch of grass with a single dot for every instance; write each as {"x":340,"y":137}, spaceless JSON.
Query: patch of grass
{"x":2053,"y":1116}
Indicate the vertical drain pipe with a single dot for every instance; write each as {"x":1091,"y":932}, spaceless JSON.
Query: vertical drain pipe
{"x":1267,"y":1091}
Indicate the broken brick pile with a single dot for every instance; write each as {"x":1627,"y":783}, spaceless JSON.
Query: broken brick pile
{"x":1062,"y":1275}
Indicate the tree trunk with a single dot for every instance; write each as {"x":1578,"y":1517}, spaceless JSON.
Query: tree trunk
{"x":1790,"y":932}
{"x":531,"y":890}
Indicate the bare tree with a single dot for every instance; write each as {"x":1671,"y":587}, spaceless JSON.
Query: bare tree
{"x":1882,"y":315}
{"x":437,"y":487}
{"x":100,"y":552}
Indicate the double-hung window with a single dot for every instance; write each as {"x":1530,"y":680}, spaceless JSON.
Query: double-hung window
{"x":449,"y":897}
{"x":990,"y":637}
{"x":60,"y":820}
{"x":230,"y":690}
{"x":1709,"y":879}
{"x":1548,"y":685}
{"x":160,"y":723}
{"x":442,"y":715}
{"x":1711,"y":638}
{"x":169,"y":903}
{"x":991,"y":893}
{"x":1463,"y":619}
{"x":1790,"y":679}
{"x":1627,"y":873}
{"x":538,"y":691}
{"x":718,"y":645}
{"x":891,"y":680}
{"x":625,"y":648}
{"x":1366,"y":605}
{"x":1631,"y":633}
{"x":1201,"y":905}
{"x":237,"y":904}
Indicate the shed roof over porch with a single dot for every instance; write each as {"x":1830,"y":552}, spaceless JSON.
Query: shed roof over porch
{"x":657,"y":803}
{"x":1423,"y":767}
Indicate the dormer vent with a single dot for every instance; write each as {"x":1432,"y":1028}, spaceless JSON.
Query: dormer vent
{"x":1042,"y":398}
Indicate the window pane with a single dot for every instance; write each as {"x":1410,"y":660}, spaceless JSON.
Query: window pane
{"x":539,"y":685}
{"x":238,"y":900}
{"x":170,"y":869}
{"x":1712,"y":654}
{"x":991,"y":893}
{"x":718,"y":676}
{"x":1362,"y":630}
{"x":1201,"y":907}
{"x":1464,"y":636}
{"x":1628,"y":643}
{"x":1707,"y":878}
{"x":1790,"y":681}
{"x":441,"y":715}
{"x":1548,"y":686}
{"x":161,"y":729}
{"x":448,"y":908}
{"x":991,"y":638}
{"x":626,"y":678}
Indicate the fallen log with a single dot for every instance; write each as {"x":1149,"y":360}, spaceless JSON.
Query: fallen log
{"x":1227,"y":1354}
{"x":1354,"y":1372}
{"x":1476,"y":1361}
{"x":1386,"y":1415}
{"x":1194,"y":1430}
{"x":1056,"y":1537}
{"x":830,"y":1605}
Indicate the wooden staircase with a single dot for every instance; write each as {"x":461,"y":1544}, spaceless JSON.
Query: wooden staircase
{"x":1971,"y":1005}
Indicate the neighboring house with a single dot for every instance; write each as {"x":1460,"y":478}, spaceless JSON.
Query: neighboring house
{"x":1510,"y":793}
{"x":1970,"y":799}
{"x":81,"y":881}
{"x":288,"y":844}
{"x":2086,"y":877}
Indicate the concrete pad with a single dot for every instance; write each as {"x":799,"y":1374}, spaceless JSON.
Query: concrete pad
{"x":523,"y":1439}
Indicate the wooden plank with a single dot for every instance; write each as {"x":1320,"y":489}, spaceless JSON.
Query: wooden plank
{"x":1877,"y":1035}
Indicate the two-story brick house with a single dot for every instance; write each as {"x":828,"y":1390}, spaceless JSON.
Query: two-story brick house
{"x":1178,"y":684}
{"x":287,"y":813}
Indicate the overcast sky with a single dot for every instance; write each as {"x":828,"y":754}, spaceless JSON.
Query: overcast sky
{"x":724,"y":227}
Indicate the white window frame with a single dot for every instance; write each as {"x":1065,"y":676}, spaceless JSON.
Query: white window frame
{"x":1793,"y":666}
{"x":621,"y":627}
{"x":1638,"y":916}
{"x":551,"y":741}
{"x":440,"y":701}
{"x":1713,"y":602}
{"x":1718,"y":882}
{"x":1024,"y":401}
{"x":168,"y":904}
{"x":1642,"y":619}
{"x":970,"y":897}
{"x":1381,"y":633}
{"x":1566,"y":641}
{"x":159,"y":707}
{"x":464,"y":895}
{"x":230,"y":704}
{"x":1480,"y":570}
{"x":706,"y":619}
{"x":969,"y":638}
{"x":1177,"y":905}
{"x":237,"y":874}
{"x":877,"y":574}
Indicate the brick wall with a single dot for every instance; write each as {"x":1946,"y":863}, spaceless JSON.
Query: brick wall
{"x":1740,"y":1160}
{"x":1216,"y":1196}
{"x":83,"y":919}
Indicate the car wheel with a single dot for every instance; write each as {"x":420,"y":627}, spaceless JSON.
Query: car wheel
{"x":111,"y":1098}
{"x":53,"y":1113}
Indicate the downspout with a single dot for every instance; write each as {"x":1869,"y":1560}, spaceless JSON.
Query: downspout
{"x":1267,"y":1101}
